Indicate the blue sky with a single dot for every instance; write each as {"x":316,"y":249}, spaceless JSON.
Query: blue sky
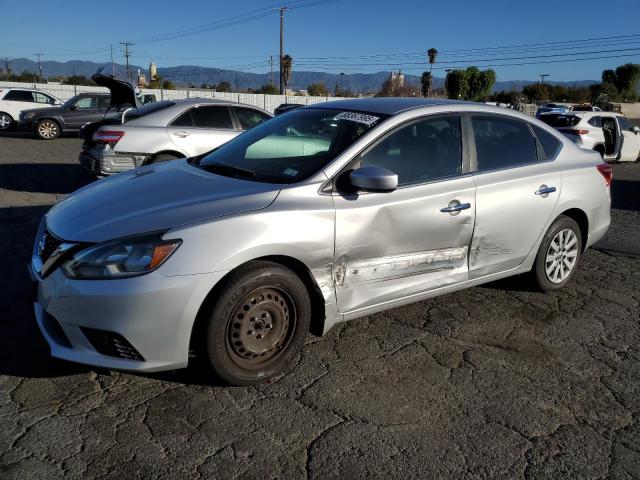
{"x":350,"y":29}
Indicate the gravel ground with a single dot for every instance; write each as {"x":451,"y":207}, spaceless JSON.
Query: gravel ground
{"x":491,"y":382}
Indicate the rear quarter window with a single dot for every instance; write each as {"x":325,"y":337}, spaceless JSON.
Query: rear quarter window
{"x":549,"y":143}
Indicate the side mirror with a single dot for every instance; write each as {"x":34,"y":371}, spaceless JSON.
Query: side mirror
{"x":635,"y":129}
{"x":73,"y":108}
{"x":374,"y":179}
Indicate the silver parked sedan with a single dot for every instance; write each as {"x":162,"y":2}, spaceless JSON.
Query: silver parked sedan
{"x":325,"y":214}
{"x":166,"y":130}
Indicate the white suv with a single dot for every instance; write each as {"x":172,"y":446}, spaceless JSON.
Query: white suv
{"x":14,"y":100}
{"x":610,"y":134}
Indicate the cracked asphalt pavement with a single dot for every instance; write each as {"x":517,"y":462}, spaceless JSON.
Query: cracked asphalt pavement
{"x":493,"y":382}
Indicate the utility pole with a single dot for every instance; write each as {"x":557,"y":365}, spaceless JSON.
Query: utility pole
{"x":113,"y":69}
{"x":236,"y":80}
{"x":282,"y":10}
{"x":39,"y":65}
{"x":271,"y":66}
{"x":6,"y":65}
{"x":542,"y":75}
{"x":127,"y":53}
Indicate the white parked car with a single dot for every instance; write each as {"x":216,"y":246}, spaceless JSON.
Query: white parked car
{"x":610,"y":134}
{"x":15,"y":100}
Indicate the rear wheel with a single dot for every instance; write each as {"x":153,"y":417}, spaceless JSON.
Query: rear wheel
{"x":47,"y":129}
{"x":559,"y":254}
{"x":5,"y":121}
{"x":258,"y":324}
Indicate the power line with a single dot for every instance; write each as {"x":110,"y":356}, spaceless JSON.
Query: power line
{"x":126,"y":54}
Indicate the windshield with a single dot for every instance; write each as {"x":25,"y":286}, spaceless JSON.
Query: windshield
{"x":291,"y":147}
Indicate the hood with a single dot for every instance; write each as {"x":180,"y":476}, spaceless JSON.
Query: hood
{"x":123,"y":93}
{"x":152,"y":198}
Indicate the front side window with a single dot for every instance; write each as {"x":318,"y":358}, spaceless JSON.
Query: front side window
{"x":211,"y":117}
{"x":19,"y":96}
{"x":422,"y":151}
{"x":290,"y":147}
{"x":502,"y":142}
{"x":249,"y":117}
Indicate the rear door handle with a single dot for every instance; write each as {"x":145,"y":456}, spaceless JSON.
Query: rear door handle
{"x":181,"y":134}
{"x":455,"y":207}
{"x":544,"y":190}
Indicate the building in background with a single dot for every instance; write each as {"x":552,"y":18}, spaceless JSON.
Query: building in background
{"x":142,"y":79}
{"x":153,"y":70}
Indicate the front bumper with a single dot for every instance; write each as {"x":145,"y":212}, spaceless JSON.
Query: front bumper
{"x":153,"y":314}
{"x":106,"y":161}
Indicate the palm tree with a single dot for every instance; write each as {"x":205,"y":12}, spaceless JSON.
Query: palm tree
{"x":425,"y":81}
{"x":432,"y":53}
{"x":287,"y":63}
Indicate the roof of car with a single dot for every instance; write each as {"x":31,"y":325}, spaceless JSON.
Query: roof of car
{"x":384,"y":105}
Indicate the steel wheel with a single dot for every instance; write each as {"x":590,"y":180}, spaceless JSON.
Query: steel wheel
{"x":562,"y":256}
{"x":261,"y":327}
{"x":5,"y":121}
{"x":47,"y":129}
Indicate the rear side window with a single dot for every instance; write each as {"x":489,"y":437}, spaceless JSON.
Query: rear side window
{"x":104,"y":102}
{"x":183,"y":120}
{"x":19,"y":96}
{"x":548,"y":142}
{"x":503,"y":142}
{"x":211,"y":117}
{"x":249,"y":117}
{"x":595,"y":122}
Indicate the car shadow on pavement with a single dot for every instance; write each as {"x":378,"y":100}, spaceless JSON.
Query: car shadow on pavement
{"x":23,"y":351}
{"x":625,"y":195}
{"x":43,"y":178}
{"x":16,"y":134}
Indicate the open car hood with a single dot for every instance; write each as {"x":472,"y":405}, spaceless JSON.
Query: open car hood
{"x":123,"y":93}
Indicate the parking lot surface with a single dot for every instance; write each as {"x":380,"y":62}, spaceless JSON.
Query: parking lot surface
{"x":493,"y":382}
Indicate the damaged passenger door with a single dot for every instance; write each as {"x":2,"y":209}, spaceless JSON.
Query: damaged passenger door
{"x":391,"y":245}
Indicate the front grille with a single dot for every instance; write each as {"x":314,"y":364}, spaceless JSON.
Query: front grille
{"x":111,"y":344}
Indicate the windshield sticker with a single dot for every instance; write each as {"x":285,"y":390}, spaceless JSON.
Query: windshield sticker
{"x":357,"y":117}
{"x":290,"y":172}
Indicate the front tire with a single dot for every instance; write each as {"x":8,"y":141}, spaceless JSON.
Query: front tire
{"x":47,"y":129}
{"x":558,"y":255}
{"x":258,"y":324}
{"x":6,"y":121}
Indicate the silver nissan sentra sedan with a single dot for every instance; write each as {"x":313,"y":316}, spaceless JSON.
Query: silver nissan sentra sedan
{"x":327,"y":213}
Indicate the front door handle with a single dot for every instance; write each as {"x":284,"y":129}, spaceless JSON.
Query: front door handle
{"x":544,"y":190}
{"x":455,"y":207}
{"x":181,"y":134}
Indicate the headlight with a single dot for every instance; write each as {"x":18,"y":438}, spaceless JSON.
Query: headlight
{"x":123,"y":258}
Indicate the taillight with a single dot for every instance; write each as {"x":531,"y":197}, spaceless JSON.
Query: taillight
{"x":578,"y":132}
{"x":606,"y":171}
{"x":107,"y":136}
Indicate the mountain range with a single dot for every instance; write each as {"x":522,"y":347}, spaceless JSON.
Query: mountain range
{"x":185,"y":75}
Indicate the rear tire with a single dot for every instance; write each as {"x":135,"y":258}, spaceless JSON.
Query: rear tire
{"x":257,"y":325}
{"x":558,"y":255}
{"x":47,"y":129}
{"x":6,"y":121}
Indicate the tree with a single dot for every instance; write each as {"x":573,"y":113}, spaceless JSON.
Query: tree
{"x":223,"y":86}
{"x":536,"y":91}
{"x":156,"y":81}
{"x":425,"y":83}
{"x":78,"y":80}
{"x":457,"y":84}
{"x":318,"y":90}
{"x":609,"y":76}
{"x":433,"y":54}
{"x":268,"y":89}
{"x":168,"y":85}
{"x":626,"y":79}
{"x":287,"y":64}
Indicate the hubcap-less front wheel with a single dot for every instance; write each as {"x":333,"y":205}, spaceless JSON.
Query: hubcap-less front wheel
{"x":260,"y":327}
{"x":562,"y":255}
{"x":48,"y":130}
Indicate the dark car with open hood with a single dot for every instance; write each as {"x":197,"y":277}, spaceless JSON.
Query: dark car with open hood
{"x":81,"y":109}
